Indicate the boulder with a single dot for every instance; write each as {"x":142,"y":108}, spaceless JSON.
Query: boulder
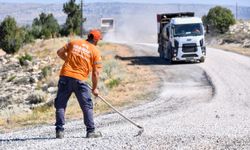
{"x":246,"y":43}
{"x":22,"y":80}
{"x":52,"y":90}
{"x":27,"y":63}
{"x":14,"y":60}
{"x":2,"y":53}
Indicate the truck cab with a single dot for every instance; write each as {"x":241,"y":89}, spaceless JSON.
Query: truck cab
{"x":107,"y":25}
{"x":181,"y":37}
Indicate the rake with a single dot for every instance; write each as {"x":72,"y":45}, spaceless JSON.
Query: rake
{"x":129,"y":120}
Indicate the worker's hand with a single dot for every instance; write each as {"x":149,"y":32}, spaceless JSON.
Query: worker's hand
{"x":95,"y":92}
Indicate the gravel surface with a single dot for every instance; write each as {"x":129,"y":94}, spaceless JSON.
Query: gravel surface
{"x":199,"y":106}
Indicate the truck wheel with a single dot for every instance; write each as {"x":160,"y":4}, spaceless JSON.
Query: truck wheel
{"x":170,"y":56}
{"x":202,"y":60}
{"x":161,"y":54}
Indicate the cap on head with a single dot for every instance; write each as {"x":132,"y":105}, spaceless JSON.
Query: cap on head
{"x":96,"y":34}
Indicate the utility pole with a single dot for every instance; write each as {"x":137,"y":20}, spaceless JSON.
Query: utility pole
{"x":82,"y":19}
{"x":236,"y":9}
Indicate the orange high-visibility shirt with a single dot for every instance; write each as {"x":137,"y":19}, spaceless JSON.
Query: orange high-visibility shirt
{"x":82,"y":58}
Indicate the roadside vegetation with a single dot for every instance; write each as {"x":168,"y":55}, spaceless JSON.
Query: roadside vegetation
{"x":225,"y":32}
{"x":219,"y":19}
{"x":117,"y":83}
{"x":45,"y":26}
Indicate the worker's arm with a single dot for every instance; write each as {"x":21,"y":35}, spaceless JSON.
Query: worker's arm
{"x":95,"y":78}
{"x":62,"y":53}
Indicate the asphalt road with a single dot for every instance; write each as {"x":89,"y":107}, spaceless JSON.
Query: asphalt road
{"x":199,"y":106}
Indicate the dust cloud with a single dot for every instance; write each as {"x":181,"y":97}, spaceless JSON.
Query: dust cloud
{"x":134,"y":26}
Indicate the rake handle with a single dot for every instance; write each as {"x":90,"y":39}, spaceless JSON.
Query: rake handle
{"x":105,"y":101}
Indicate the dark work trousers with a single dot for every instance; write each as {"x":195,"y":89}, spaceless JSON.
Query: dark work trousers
{"x":66,"y":86}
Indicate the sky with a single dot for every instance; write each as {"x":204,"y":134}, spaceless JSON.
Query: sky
{"x":218,"y":2}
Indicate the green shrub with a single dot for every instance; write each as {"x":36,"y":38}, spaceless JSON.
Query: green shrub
{"x":12,"y":37}
{"x":113,"y":83}
{"x":47,"y":70}
{"x":45,"y":26}
{"x":219,"y":18}
{"x":22,"y":59}
{"x":28,"y":35}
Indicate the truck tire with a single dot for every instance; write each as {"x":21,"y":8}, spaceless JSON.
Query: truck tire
{"x":160,"y":52}
{"x":202,"y":60}
{"x":169,"y":58}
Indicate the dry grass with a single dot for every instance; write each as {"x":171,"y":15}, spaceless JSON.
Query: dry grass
{"x":127,"y":92}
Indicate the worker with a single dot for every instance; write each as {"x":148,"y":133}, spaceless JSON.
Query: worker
{"x":196,"y":30}
{"x":81,"y":57}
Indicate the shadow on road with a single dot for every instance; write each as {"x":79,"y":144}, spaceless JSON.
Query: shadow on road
{"x":148,"y":60}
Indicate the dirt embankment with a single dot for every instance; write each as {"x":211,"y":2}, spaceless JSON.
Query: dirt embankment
{"x":237,"y":39}
{"x":28,"y":90}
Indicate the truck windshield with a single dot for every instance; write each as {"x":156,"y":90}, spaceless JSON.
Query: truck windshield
{"x":188,"y":30}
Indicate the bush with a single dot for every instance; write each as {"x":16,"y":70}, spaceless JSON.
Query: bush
{"x":47,"y":70}
{"x":45,"y":26}
{"x":12,"y":37}
{"x":219,"y":18}
{"x":113,"y":83}
{"x":22,"y":59}
{"x":28,"y":35}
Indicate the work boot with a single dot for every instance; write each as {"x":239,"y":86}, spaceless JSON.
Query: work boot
{"x":59,"y":134}
{"x":94,"y":134}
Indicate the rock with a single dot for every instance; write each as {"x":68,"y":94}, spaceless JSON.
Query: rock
{"x":4,"y":101}
{"x":26,"y":63}
{"x":52,"y":90}
{"x":2,"y":53}
{"x":246,"y":43}
{"x":14,"y":60}
{"x":22,"y":80}
{"x":33,"y":79}
{"x":3,"y":60}
{"x":36,"y":97}
{"x":45,"y":87}
{"x":52,"y":83}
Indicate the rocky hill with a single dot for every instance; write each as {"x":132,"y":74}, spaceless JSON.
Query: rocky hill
{"x":29,"y":83}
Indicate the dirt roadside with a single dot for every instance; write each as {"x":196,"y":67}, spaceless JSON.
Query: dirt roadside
{"x":134,"y":85}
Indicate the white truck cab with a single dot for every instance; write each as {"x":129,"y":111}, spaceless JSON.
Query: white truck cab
{"x":107,"y":25}
{"x":181,"y":37}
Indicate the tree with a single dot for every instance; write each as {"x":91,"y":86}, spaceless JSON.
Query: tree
{"x":219,"y":18}
{"x":28,"y":36}
{"x":11,"y":36}
{"x":73,"y":21}
{"x":45,"y":26}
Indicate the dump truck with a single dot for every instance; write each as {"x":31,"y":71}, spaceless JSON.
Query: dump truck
{"x":181,"y":37}
{"x":107,"y":25}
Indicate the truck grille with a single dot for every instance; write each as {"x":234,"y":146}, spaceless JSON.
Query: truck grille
{"x":191,"y":47}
